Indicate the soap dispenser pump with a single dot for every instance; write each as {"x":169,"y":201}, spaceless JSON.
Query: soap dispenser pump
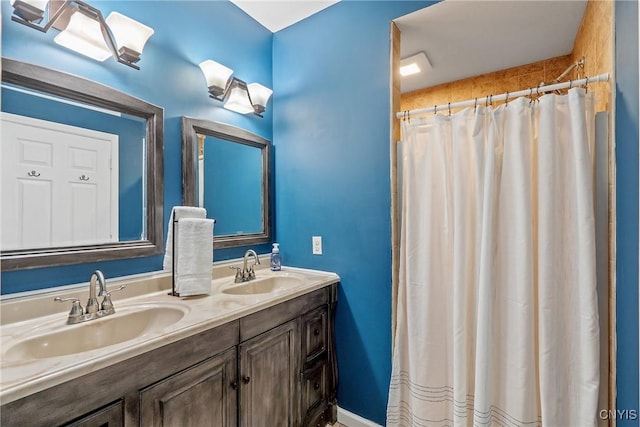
{"x":276,"y":264}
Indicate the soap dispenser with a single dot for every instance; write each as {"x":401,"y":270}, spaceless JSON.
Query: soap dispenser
{"x":276,"y":264}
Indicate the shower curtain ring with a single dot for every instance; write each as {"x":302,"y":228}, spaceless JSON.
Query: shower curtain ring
{"x":586,"y":85}
{"x":506,"y":100}
{"x":435,"y":109}
{"x":449,"y":109}
{"x":570,"y":84}
{"x":530,"y":95}
{"x":475,"y":106}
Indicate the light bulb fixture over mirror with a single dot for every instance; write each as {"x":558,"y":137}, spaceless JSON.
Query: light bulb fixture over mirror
{"x":236,"y":94}
{"x":84,"y":30}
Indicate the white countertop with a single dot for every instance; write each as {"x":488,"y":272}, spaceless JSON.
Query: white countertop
{"x":20,"y":377}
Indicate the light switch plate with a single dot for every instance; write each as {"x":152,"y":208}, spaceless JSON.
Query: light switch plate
{"x":316,"y":242}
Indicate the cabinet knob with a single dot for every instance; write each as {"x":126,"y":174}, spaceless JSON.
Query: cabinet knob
{"x":316,"y":332}
{"x":316,"y":385}
{"x":246,"y":380}
{"x":234,"y":385}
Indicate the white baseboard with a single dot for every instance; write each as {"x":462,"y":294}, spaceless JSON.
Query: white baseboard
{"x":349,"y":419}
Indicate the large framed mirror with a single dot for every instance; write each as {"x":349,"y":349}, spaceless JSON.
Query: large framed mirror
{"x":226,"y":170}
{"x":82,"y":170}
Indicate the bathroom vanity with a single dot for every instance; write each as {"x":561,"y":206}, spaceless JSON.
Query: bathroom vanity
{"x":250,"y":354}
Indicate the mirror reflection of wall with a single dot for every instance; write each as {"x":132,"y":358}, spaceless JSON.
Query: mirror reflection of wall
{"x":230,"y":185}
{"x":226,"y":169}
{"x":86,"y":188}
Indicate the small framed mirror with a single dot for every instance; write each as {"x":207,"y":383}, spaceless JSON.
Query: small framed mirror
{"x":226,"y":170}
{"x":82,"y":170}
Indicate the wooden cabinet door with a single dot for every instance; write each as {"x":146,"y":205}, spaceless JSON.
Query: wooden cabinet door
{"x":269,"y":370}
{"x":110,"y":416}
{"x":204,"y":395}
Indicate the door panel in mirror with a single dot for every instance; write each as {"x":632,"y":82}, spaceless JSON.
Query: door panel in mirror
{"x":73,"y":118}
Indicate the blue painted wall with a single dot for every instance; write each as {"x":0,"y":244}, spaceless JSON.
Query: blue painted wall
{"x":627,"y":208}
{"x":331,"y":136}
{"x":186,"y":33}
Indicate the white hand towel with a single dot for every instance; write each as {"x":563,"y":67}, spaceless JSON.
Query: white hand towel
{"x":178,"y":212}
{"x":194,"y":252}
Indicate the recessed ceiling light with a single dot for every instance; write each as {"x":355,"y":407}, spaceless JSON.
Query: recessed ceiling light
{"x":414,"y":64}
{"x":409,"y":69}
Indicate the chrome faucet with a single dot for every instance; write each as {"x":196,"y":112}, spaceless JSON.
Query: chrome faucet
{"x":92,"y":303}
{"x":94,"y":310}
{"x":246,"y":273}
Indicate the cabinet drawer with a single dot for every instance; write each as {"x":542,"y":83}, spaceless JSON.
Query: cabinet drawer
{"x":264,"y":320}
{"x":315,"y":388}
{"x":319,"y":418}
{"x":315,"y":334}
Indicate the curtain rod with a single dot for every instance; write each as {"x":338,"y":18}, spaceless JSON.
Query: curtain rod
{"x":510,"y":95}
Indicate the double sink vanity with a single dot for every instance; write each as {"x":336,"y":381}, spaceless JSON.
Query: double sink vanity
{"x":251,"y":354}
{"x":258,"y":353}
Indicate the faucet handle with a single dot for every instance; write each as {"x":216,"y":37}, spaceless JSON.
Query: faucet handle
{"x":238,"y":277}
{"x":107,"y":304}
{"x":76,"y":308}
{"x":108,"y":294}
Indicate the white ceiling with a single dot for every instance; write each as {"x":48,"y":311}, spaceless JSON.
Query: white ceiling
{"x":276,"y":15}
{"x":464,"y":38}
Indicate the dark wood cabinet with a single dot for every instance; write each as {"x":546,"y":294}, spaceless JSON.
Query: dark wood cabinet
{"x":203,"y":395}
{"x":317,"y":382}
{"x":269,"y":378}
{"x":275,"y":367}
{"x":315,"y":335}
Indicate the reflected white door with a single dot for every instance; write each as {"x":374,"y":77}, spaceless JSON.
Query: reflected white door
{"x":58,"y":184}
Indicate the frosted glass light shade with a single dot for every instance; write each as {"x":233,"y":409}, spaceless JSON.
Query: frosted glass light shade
{"x":259,"y":94}
{"x":238,"y":100}
{"x":129,"y":33}
{"x":38,"y":4}
{"x":29,"y":10}
{"x":83,"y":35}
{"x":217,"y":76}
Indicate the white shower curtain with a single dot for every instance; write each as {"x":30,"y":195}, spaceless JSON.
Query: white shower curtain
{"x":497,"y":321}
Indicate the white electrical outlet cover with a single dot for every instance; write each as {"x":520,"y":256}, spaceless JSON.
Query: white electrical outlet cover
{"x":317,"y":245}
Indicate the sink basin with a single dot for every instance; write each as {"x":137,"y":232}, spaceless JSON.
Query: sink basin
{"x":119,"y":327}
{"x":263,"y":286}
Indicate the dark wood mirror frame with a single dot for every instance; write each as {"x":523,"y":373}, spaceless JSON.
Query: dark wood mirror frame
{"x":190,"y":127}
{"x":78,"y":89}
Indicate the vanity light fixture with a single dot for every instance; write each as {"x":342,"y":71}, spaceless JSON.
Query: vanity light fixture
{"x":236,"y":95}
{"x":29,"y":10}
{"x":84,"y":30}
